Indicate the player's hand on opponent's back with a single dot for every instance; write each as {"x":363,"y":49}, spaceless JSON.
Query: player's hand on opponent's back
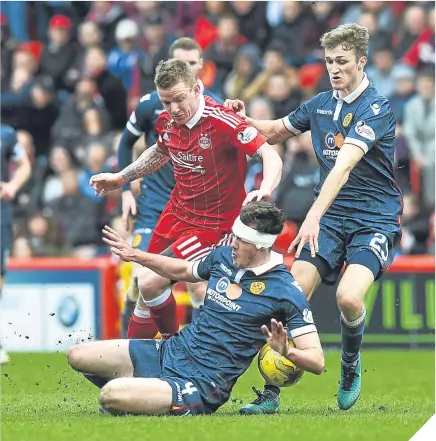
{"x":237,"y":106}
{"x":277,"y":338}
{"x":118,"y":245}
{"x":104,"y":182}
{"x":308,"y":233}
{"x":128,"y":203}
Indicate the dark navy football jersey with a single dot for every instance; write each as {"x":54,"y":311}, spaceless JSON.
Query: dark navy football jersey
{"x":155,"y":187}
{"x":223,"y":340}
{"x":365,"y":119}
{"x":11,"y":151}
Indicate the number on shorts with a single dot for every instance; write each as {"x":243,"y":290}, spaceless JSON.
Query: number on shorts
{"x":189,"y":388}
{"x":379,"y":243}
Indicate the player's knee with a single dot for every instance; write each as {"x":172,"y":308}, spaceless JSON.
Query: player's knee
{"x":347,"y":302}
{"x":112,"y":395}
{"x":152,"y":285}
{"x":75,"y":357}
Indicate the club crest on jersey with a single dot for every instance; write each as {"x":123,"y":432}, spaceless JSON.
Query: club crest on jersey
{"x":247,"y":135}
{"x":347,"y":119}
{"x":257,"y":288}
{"x":204,"y":142}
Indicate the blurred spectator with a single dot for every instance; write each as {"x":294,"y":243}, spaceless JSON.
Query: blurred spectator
{"x":15,"y":13}
{"x":377,"y":36}
{"x":381,"y":72}
{"x":284,"y":97}
{"x":402,"y":160}
{"x":419,"y":129}
{"x":422,"y":52}
{"x":110,"y":88}
{"x":404,"y":77}
{"x":301,"y":173}
{"x":79,"y":217}
{"x":384,"y":14}
{"x":244,"y":70}
{"x":24,"y":59}
{"x":43,"y":236}
{"x":253,"y":24}
{"x":273,"y":62}
{"x":106,"y":14}
{"x":295,"y":21}
{"x":60,"y":161}
{"x":122,"y":59}
{"x":185,"y":16}
{"x":224,"y":49}
{"x":28,"y":198}
{"x":205,"y":30}
{"x":8,"y":45}
{"x":415,"y":226}
{"x":21,"y":248}
{"x":96,"y":162}
{"x":84,"y":113}
{"x":415,"y":22}
{"x":59,"y":53}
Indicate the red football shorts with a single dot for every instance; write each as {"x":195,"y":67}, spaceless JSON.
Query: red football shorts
{"x":186,"y":241}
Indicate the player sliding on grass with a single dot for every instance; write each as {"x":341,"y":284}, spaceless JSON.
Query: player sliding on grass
{"x":355,"y":218}
{"x":194,"y":371}
{"x":207,"y":144}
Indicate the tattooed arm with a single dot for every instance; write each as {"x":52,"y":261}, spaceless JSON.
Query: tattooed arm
{"x":151,"y":159}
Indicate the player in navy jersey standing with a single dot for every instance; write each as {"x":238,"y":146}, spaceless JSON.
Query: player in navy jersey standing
{"x":355,"y":218}
{"x":208,"y":145}
{"x":156,"y":188}
{"x":11,"y":153}
{"x":193,"y":372}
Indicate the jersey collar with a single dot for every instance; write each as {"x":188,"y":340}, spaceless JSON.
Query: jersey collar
{"x":198,"y":114}
{"x":356,"y":92}
{"x":276,"y":259}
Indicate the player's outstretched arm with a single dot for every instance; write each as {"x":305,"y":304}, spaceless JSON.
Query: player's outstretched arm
{"x":274,"y":130}
{"x":348,"y":157}
{"x":168,"y":267}
{"x":272,"y":173}
{"x":307,"y":354}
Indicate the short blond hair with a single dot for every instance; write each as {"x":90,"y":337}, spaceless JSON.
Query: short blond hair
{"x":350,"y":36}
{"x":186,"y":44}
{"x":171,"y":72}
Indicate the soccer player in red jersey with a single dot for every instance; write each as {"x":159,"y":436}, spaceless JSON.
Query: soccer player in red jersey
{"x":207,"y":144}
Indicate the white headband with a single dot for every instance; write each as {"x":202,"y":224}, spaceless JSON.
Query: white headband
{"x":250,"y":235}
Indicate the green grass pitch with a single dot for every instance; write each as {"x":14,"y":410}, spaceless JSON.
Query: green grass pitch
{"x":44,"y":400}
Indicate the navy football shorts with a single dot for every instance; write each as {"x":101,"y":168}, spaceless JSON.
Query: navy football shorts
{"x":6,"y":244}
{"x":353,"y":241}
{"x":193,"y":394}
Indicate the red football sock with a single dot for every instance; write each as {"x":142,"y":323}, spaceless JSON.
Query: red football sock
{"x":163,"y":310}
{"x":140,"y":327}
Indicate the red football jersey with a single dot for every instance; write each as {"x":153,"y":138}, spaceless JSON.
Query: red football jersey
{"x":209,"y":158}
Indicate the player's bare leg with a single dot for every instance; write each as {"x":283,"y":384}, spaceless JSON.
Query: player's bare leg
{"x":268,"y":401}
{"x":350,"y":297}
{"x":141,"y":396}
{"x":197,"y":292}
{"x":104,"y":360}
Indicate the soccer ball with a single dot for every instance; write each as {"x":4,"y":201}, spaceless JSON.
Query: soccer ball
{"x":276,"y":369}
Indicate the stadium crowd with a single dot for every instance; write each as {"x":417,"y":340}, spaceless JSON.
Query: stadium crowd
{"x":72,"y":72}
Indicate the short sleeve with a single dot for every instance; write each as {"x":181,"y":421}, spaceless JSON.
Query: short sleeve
{"x":298,"y":121}
{"x":247,"y":138}
{"x":202,"y":268}
{"x":372,"y":124}
{"x":299,"y":318}
{"x":140,"y":119}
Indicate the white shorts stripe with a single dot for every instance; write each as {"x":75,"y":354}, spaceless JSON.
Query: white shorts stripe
{"x":191,"y":248}
{"x":198,"y":257}
{"x":187,"y":242}
{"x":207,"y":249}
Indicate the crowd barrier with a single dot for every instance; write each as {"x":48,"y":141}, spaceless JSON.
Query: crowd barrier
{"x":49,"y":304}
